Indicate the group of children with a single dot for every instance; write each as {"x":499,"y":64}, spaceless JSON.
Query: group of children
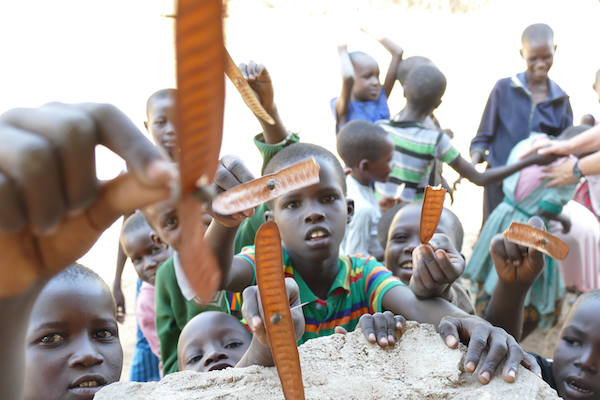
{"x":348,"y":252}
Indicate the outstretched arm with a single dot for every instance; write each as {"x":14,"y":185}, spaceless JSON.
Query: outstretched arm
{"x":60,"y":207}
{"x":117,"y":291}
{"x":396,"y":52}
{"x":343,"y":101}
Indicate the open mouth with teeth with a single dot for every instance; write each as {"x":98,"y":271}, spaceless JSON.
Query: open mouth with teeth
{"x":88,"y":384}
{"x":577,"y":386}
{"x":407,"y":265}
{"x":317,"y":234}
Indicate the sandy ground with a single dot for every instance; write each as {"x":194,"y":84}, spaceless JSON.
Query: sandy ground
{"x":121,"y":52}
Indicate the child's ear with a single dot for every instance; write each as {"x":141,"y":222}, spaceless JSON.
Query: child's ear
{"x":158,"y":241}
{"x":521,"y":53}
{"x":146,"y":125}
{"x":350,"y":204}
{"x":269,"y":216}
{"x":555,"y":46}
{"x":363,"y":165}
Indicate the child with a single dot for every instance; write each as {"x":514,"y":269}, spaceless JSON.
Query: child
{"x":525,"y":195}
{"x":160,"y":111}
{"x":572,"y":372}
{"x":73,"y":347}
{"x":339,"y":289}
{"x":146,"y":256}
{"x":403,"y":238}
{"x":367,"y":150}
{"x":528,"y":102}
{"x":176,"y":302}
{"x":214,"y":340}
{"x":362,"y":96}
{"x":417,"y":146}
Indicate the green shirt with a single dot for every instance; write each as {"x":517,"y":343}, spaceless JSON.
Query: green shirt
{"x":173,"y":312}
{"x":358,"y":289}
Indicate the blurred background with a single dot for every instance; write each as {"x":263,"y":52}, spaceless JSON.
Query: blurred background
{"x":121,"y":51}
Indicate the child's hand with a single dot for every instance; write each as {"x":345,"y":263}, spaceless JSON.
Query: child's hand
{"x":260,"y":81}
{"x":380,"y":328}
{"x":436,"y":266}
{"x":53,"y":207}
{"x":253,"y":312}
{"x":231,"y":171}
{"x":480,"y":336}
{"x":385,"y":203}
{"x":517,"y":264}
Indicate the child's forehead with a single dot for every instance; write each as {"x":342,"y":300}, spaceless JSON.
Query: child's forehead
{"x":136,"y":235}
{"x":161,"y":104}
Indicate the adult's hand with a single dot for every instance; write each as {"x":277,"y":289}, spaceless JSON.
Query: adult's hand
{"x":53,"y":208}
{"x":560,"y":175}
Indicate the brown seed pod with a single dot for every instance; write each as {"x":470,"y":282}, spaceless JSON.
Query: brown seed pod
{"x":268,"y":187}
{"x":241,"y":84}
{"x":530,"y":236}
{"x":200,"y":100}
{"x":276,"y":309}
{"x":433,"y":205}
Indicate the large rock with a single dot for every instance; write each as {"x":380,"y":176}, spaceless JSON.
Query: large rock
{"x":419,"y":366}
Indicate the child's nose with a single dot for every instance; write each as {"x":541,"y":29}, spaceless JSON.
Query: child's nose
{"x":85,"y":354}
{"x":314,"y":217}
{"x":587,"y":361}
{"x":214,"y":356}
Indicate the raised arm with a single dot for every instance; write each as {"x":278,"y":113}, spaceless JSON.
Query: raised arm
{"x":117,"y":291}
{"x":396,"y":51}
{"x":260,"y":80}
{"x":343,"y":101}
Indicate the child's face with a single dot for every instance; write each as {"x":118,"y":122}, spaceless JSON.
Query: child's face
{"x":73,"y":347}
{"x":379,"y":169}
{"x":145,"y":255}
{"x":577,"y":353}
{"x":366,"y":79}
{"x":539,"y":57}
{"x":162,"y":217}
{"x":312,"y":220}
{"x":403,"y":238}
{"x":161,"y":124}
{"x":213,"y":341}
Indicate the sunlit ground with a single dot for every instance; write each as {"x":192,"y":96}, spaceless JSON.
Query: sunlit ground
{"x":122,"y":51}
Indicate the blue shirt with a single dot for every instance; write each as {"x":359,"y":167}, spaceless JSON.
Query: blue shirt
{"x":370,"y":111}
{"x":510,"y":116}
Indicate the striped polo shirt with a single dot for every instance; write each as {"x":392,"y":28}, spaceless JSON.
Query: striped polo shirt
{"x":416,"y":148}
{"x":358,"y":289}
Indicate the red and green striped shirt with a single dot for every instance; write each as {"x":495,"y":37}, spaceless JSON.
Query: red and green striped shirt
{"x":358,"y":289}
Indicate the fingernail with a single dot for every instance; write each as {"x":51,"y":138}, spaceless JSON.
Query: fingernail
{"x":256,"y":321}
{"x":371,"y":337}
{"x":398,"y":325}
{"x":516,"y":263}
{"x":383,"y":341}
{"x":540,"y":375}
{"x":511,"y":373}
{"x":391,"y":339}
{"x":439,"y":254}
{"x":486,"y":376}
{"x":451,"y":341}
{"x":470,"y":367}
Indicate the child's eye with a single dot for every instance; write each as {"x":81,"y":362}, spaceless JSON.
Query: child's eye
{"x":160,"y":123}
{"x":170,"y":223}
{"x":195,"y":359}
{"x":53,"y":338}
{"x":292,"y":205}
{"x":233,"y":345}
{"x":155,"y":250}
{"x":103,"y":334}
{"x":136,"y":260}
{"x":329,"y":199}
{"x":572,"y":342}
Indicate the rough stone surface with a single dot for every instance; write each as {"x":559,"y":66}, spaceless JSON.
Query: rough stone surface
{"x":419,"y":366}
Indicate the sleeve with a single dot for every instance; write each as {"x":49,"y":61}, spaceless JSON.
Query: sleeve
{"x":445,"y":150}
{"x":166,"y":327}
{"x":267,"y":151}
{"x":461,"y":298}
{"x":487,"y":126}
{"x":146,"y":318}
{"x":247,"y":254}
{"x":377,"y":280}
{"x":247,"y":231}
{"x":358,"y":233}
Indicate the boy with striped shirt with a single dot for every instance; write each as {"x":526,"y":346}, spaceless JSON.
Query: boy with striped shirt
{"x":340,"y":289}
{"x":417,"y":147}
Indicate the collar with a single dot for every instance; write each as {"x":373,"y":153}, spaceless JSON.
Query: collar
{"x":182,"y":282}
{"x":405,"y":124}
{"x":554,"y":91}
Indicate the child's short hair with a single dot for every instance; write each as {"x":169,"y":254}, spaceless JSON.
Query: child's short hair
{"x":133,"y":223}
{"x":359,"y":140}
{"x":425,"y":86}
{"x":75,"y":273}
{"x":357,"y":56}
{"x":408,"y":65}
{"x":383,"y":226}
{"x":537,"y":33}
{"x":300,"y":151}
{"x":161,"y":94}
